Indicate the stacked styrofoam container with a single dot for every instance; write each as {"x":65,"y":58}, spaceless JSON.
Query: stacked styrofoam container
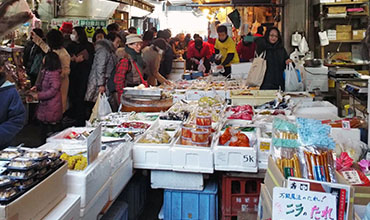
{"x":264,"y":148}
{"x":67,"y":209}
{"x":154,"y":156}
{"x":163,"y":179}
{"x":239,"y":159}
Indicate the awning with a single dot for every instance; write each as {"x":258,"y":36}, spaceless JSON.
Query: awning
{"x":137,"y":3}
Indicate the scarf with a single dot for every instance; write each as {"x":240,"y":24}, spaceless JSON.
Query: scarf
{"x":135,"y":56}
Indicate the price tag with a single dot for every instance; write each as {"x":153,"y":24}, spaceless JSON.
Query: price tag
{"x":94,"y":145}
{"x":265,"y":146}
{"x":346,"y":125}
{"x":298,"y":186}
{"x":295,"y":204}
{"x":249,"y":160}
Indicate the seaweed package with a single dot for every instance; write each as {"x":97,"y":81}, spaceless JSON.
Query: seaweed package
{"x":286,"y":147}
{"x":319,"y":163}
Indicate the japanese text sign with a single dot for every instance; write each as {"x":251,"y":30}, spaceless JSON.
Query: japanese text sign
{"x":302,"y":205}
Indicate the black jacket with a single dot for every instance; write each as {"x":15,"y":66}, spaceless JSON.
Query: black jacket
{"x":166,"y":64}
{"x":276,"y":56}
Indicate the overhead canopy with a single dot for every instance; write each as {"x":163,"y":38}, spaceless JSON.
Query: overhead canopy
{"x":137,"y":3}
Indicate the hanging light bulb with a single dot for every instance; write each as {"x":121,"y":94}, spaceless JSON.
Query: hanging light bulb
{"x":80,"y":1}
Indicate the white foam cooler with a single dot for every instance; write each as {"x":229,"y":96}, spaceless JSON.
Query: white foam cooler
{"x":161,"y":179}
{"x":67,"y":209}
{"x":316,"y":78}
{"x":120,"y":178}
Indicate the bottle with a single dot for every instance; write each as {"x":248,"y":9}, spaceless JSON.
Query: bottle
{"x":328,"y":58}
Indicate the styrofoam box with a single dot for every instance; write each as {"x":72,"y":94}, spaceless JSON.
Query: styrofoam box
{"x":87,"y":183}
{"x":176,"y":180}
{"x":154,"y":156}
{"x":319,"y":110}
{"x":264,"y":149}
{"x":192,"y":158}
{"x":120,"y":178}
{"x":67,"y":209}
{"x":96,"y":205}
{"x":119,"y":155}
{"x":239,"y":159}
{"x":197,"y":94}
{"x":59,"y":138}
{"x":240,"y":70}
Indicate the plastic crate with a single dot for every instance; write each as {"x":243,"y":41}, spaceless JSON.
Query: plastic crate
{"x":118,"y":211}
{"x":135,"y":194}
{"x":239,"y":194}
{"x":180,"y":204}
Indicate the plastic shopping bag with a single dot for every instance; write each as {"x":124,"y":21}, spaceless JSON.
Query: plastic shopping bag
{"x":257,"y":72}
{"x":201,"y":67}
{"x":101,"y":108}
{"x":293,"y":80}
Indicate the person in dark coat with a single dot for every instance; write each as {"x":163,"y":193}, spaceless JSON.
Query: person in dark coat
{"x":12,"y":112}
{"x":276,"y":59}
{"x":81,"y":62}
{"x":166,"y":64}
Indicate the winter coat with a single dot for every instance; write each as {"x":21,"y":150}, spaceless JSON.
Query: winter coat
{"x":12,"y":113}
{"x":246,"y":51}
{"x":65,"y":60}
{"x":276,"y":56}
{"x":50,"y":107}
{"x":166,"y":64}
{"x":102,"y":70}
{"x":152,"y":59}
{"x":206,"y":51}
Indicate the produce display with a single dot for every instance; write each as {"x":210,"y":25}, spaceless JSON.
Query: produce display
{"x":234,"y":137}
{"x":244,"y":112}
{"x":77,"y":136}
{"x":75,"y":162}
{"x":157,"y":136}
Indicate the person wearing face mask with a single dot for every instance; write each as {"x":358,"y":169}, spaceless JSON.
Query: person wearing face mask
{"x":276,"y":58}
{"x":81,"y":62}
{"x":129,"y":71}
{"x":103,"y":69}
{"x":152,"y":56}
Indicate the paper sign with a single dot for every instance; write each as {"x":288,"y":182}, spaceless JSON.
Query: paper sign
{"x":93,"y":145}
{"x":293,"y":204}
{"x":298,"y":186}
{"x":249,"y":160}
{"x":346,"y":125}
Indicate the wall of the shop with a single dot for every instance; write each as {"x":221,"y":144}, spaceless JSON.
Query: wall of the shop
{"x":294,"y":20}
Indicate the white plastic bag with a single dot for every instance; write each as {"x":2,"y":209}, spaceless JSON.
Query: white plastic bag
{"x":292,"y":80}
{"x":104,"y":106}
{"x":303,"y":46}
{"x":324,"y":40}
{"x":296,"y":39}
{"x":201,"y":67}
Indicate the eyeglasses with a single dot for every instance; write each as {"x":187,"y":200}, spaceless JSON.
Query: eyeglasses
{"x":272,"y":35}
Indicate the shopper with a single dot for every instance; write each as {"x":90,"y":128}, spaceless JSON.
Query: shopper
{"x":260,"y":31}
{"x":225,"y":46}
{"x":152,"y":56}
{"x":246,"y":48}
{"x":276,"y":59}
{"x":98,"y":35}
{"x":103,"y":69}
{"x":81,"y":62}
{"x":113,"y":28}
{"x":166,"y":64}
{"x":147,"y":38}
{"x":132,"y":30}
{"x":182,"y":44}
{"x":54,"y":39}
{"x":66,"y":30}
{"x":187,"y":39}
{"x":12,"y":112}
{"x":200,"y":51}
{"x":32,"y":57}
{"x":47,"y":91}
{"x":129,"y":71}
{"x":174,"y":42}
{"x":155,"y":31}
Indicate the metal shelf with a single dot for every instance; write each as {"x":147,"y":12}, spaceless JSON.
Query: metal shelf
{"x":345,"y":41}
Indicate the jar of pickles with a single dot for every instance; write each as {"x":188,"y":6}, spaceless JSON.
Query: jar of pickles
{"x":204,"y":119}
{"x":186,"y":130}
{"x":200,"y":135}
{"x":186,"y":141}
{"x":201,"y":144}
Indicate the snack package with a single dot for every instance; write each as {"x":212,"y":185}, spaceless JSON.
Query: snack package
{"x":22,"y":175}
{"x":9,"y":154}
{"x":21,"y":163}
{"x":5,"y":182}
{"x":355,"y":177}
{"x":319,"y":163}
{"x":36,"y":154}
{"x":25,"y":185}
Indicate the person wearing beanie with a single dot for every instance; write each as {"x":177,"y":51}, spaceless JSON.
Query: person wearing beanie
{"x":66,"y":30}
{"x":152,"y":56}
{"x":129,"y":70}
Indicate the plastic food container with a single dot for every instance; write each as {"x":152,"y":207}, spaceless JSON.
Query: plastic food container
{"x":9,"y":154}
{"x":53,"y":154}
{"x":204,"y":119}
{"x":5,"y":182}
{"x":36,"y":154}
{"x":25,"y":185}
{"x":200,"y":135}
{"x":22,"y":175}
{"x":186,"y":130}
{"x":22,"y":164}
{"x":186,"y":141}
{"x":201,"y":144}
{"x":8,"y":194}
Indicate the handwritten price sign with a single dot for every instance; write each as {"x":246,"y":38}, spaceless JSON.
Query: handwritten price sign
{"x":302,"y":205}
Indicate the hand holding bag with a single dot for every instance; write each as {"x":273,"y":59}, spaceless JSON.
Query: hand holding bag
{"x":292,"y":80}
{"x":257,"y":72}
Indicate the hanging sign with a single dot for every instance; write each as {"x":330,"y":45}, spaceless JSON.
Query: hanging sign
{"x":296,"y":204}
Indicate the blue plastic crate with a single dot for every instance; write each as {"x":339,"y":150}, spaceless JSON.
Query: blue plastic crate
{"x":195,"y":205}
{"x":118,"y":211}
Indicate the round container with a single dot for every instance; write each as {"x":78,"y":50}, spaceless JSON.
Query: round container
{"x":186,"y":130}
{"x":186,"y":141}
{"x":201,"y":144}
{"x":204,"y":119}
{"x":208,"y":128}
{"x":200,"y":135}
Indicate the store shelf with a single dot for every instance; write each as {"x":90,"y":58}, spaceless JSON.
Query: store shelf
{"x":345,"y":41}
{"x":349,"y":16}
{"x":343,"y":3}
{"x":346,"y":65}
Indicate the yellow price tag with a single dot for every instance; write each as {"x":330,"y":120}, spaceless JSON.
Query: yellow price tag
{"x":265,"y":146}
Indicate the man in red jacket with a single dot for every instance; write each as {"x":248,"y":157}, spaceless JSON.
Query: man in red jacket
{"x":200,"y":51}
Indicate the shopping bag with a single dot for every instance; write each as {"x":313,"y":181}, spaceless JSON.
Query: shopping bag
{"x":104,"y":106}
{"x":257,"y":71}
{"x":303,"y":46}
{"x":293,"y":80}
{"x":201,"y":67}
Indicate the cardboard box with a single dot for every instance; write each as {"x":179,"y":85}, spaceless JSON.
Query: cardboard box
{"x":358,"y":34}
{"x":337,"y":9}
{"x":265,"y":204}
{"x":344,"y":36}
{"x":342,"y":56}
{"x":361,"y":193}
{"x":39,"y":201}
{"x":274,"y":178}
{"x":343,"y":28}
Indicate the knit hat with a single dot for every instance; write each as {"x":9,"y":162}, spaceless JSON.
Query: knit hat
{"x":66,"y":28}
{"x":133,"y":38}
